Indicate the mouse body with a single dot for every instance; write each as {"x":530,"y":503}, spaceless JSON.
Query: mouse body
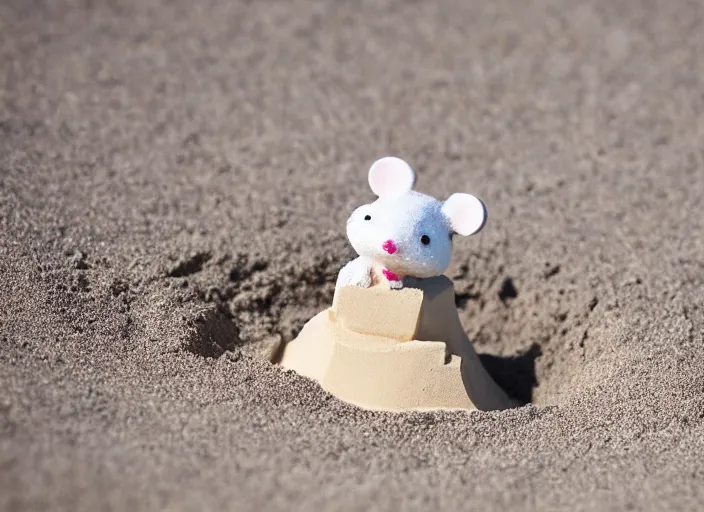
{"x":405,"y":233}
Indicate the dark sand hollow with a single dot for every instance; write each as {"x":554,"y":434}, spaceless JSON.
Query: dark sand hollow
{"x":174,"y":183}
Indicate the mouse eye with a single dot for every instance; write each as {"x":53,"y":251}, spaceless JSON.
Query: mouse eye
{"x":367,"y":217}
{"x":425,"y":239}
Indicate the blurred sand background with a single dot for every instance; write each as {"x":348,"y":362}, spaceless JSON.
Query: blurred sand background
{"x":174,"y":183}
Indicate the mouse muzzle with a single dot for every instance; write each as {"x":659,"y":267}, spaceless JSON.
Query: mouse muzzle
{"x":389,"y":246}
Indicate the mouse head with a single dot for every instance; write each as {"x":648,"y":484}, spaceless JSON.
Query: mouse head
{"x":408,"y":232}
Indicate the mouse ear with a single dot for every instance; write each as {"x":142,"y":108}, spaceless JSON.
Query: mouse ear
{"x":391,"y":177}
{"x":467,"y":214}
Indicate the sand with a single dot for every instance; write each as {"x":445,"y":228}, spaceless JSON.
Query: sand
{"x":174,"y":183}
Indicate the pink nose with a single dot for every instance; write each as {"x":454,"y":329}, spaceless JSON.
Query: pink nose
{"x":389,"y":246}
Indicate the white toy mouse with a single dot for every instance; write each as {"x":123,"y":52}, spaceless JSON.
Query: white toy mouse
{"x":405,"y":233}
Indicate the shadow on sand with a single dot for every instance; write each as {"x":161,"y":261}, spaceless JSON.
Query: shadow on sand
{"x":516,"y":373}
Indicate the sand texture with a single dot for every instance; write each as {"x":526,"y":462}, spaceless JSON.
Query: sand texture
{"x":175,"y":179}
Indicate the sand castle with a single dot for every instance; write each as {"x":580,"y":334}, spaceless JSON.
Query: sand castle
{"x":395,"y":350}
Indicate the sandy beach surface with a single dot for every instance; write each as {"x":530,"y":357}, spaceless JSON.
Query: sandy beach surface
{"x":175,"y":179}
